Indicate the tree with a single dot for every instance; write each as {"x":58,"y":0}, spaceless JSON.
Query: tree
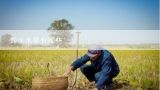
{"x":6,"y":40}
{"x":60,"y":32}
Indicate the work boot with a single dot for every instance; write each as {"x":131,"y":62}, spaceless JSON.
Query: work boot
{"x":108,"y":87}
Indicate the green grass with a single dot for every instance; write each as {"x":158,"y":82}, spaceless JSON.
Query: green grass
{"x":139,"y":67}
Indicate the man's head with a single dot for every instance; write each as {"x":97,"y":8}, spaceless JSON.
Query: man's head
{"x":94,"y":52}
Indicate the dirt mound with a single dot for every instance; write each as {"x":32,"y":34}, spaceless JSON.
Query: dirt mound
{"x":50,"y":83}
{"x":120,"y":85}
{"x":116,"y":85}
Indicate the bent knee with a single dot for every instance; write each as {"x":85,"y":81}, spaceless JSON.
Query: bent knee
{"x":83,"y":68}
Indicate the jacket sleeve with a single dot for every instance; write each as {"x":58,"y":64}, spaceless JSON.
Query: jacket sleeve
{"x":106,"y":69}
{"x":80,"y":61}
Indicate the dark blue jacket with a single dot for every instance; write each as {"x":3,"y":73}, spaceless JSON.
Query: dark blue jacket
{"x":106,"y":64}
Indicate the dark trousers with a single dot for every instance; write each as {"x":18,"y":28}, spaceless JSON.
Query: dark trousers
{"x":93,"y":75}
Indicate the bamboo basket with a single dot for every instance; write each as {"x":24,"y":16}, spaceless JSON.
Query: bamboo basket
{"x":50,"y":83}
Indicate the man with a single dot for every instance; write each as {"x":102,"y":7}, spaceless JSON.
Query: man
{"x":103,"y":67}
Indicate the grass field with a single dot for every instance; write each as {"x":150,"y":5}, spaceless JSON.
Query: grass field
{"x":17,"y":67}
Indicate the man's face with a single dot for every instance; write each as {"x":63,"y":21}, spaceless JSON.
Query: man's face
{"x":95,"y":57}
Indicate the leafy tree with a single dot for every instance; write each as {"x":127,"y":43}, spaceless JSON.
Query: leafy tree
{"x":60,"y":32}
{"x":6,"y":40}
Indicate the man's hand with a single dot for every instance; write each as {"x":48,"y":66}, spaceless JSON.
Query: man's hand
{"x":68,"y":70}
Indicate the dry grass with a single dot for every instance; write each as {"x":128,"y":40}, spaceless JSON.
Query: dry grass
{"x":139,"y":67}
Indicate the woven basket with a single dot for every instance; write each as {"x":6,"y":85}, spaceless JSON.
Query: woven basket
{"x":51,"y":83}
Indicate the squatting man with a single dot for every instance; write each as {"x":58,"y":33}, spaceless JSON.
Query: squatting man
{"x":103,"y":67}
